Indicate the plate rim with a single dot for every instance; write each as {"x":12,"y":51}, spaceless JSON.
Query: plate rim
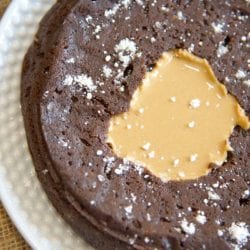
{"x":7,"y":202}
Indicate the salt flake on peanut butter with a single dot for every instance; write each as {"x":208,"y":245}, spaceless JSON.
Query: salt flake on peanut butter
{"x":193,"y":157}
{"x":176,"y":162}
{"x":191,"y":124}
{"x":146,"y":146}
{"x":173,"y":99}
{"x":195,"y":103}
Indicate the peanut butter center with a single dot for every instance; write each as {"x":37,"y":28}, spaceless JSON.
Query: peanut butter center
{"x":180,"y":119}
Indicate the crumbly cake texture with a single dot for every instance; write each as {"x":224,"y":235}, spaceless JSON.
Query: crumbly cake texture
{"x":86,"y":61}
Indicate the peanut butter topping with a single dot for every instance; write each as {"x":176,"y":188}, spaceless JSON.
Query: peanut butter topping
{"x":180,"y":119}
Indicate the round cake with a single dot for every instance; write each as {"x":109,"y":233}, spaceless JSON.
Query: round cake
{"x":84,"y":65}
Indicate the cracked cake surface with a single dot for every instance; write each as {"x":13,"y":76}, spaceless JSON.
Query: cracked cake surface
{"x":83,"y":67}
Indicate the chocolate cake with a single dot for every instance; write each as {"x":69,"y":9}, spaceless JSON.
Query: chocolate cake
{"x":86,"y":61}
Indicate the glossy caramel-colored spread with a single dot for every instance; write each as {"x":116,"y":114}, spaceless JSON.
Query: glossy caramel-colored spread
{"x":180,"y":119}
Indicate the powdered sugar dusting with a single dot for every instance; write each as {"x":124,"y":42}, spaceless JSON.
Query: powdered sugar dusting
{"x":128,"y":211}
{"x":212,"y":195}
{"x":70,"y":60}
{"x":239,"y":232}
{"x":201,"y":218}
{"x":218,"y":27}
{"x":107,"y":71}
{"x":240,"y":74}
{"x":126,"y":3}
{"x":222,"y":50}
{"x":122,"y":168}
{"x":126,"y":50}
{"x":247,"y":82}
{"x":112,"y":12}
{"x":187,"y":227}
{"x":81,"y":80}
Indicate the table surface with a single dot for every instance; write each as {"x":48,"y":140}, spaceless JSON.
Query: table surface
{"x":9,"y":236}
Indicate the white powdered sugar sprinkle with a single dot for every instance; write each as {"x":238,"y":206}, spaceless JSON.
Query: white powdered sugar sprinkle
{"x":81,"y":80}
{"x":88,"y":18}
{"x":109,"y":163}
{"x":247,"y":82}
{"x":107,"y":58}
{"x":201,"y":218}
{"x":107,"y":71}
{"x":187,"y":227}
{"x":126,"y":50}
{"x":191,"y":48}
{"x":101,"y":178}
{"x":133,"y":197}
{"x":148,"y":217}
{"x":240,"y":74}
{"x":128,"y":209}
{"x":221,"y":50}
{"x":220,"y":232}
{"x":245,"y":194}
{"x":240,"y":233}
{"x":112,"y":12}
{"x":212,"y":195}
{"x":63,"y":142}
{"x":140,"y":2}
{"x":69,"y":80}
{"x":218,"y":27}
{"x":180,"y":15}
{"x":70,"y":60}
{"x":99,"y":152}
{"x":122,"y":168}
{"x":126,"y":3}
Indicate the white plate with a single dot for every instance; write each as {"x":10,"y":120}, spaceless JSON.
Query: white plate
{"x":20,"y":190}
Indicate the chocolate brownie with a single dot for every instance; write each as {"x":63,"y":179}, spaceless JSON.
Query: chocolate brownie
{"x":86,"y":61}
